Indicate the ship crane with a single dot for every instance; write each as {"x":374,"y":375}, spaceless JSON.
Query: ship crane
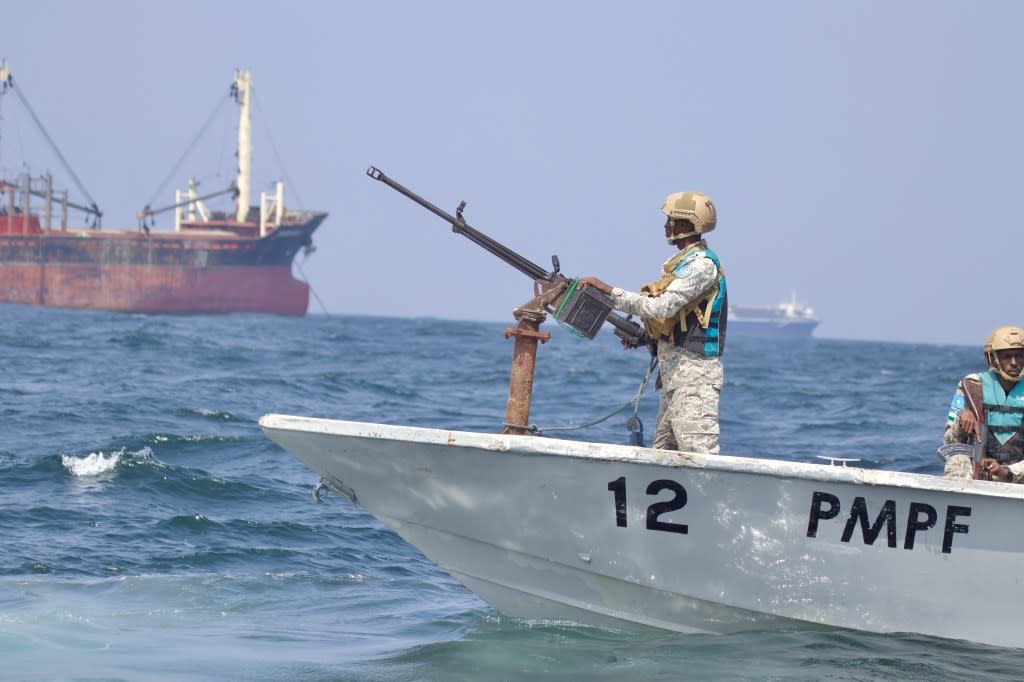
{"x":7,"y":84}
{"x":191,"y":201}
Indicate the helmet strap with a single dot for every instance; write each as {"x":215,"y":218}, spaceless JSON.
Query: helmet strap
{"x":676,"y":237}
{"x":993,"y":362}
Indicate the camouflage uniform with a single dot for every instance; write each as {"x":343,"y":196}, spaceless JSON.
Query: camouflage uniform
{"x":691,"y":383}
{"x":958,"y":466}
{"x":961,"y":466}
{"x":953,"y":432}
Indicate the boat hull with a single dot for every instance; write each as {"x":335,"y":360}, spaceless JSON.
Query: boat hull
{"x":156,"y":288}
{"x":211,"y":272}
{"x":614,"y":535}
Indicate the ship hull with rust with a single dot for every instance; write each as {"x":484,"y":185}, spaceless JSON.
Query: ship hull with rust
{"x":204,"y":272}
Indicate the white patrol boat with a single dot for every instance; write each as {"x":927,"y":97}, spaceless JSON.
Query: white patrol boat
{"x":617,"y":535}
{"x":622,"y":536}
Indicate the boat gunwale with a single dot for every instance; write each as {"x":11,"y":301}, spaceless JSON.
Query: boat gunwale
{"x":541,"y":445}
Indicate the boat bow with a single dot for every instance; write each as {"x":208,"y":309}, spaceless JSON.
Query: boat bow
{"x":621,"y":535}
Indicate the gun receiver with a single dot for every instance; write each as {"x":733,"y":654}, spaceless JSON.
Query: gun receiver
{"x":630,"y":332}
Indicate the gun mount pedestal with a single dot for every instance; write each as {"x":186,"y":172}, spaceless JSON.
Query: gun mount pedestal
{"x":524,"y":361}
{"x":529,"y":317}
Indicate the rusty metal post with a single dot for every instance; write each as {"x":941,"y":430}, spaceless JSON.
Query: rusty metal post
{"x":524,"y":360}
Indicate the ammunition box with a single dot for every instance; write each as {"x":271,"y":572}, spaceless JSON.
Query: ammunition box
{"x":584,"y":310}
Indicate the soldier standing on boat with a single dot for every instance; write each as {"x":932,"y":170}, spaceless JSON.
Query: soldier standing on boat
{"x":685,"y":312}
{"x":988,"y":407}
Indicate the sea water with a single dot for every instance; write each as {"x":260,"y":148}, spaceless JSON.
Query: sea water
{"x":150,"y":531}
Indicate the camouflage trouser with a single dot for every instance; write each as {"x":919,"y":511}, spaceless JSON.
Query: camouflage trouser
{"x":688,"y":411}
{"x":958,"y":466}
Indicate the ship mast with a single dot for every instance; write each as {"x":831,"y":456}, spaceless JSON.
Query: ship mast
{"x":5,"y":82}
{"x":242,"y":89}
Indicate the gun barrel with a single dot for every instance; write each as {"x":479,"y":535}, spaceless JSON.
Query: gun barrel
{"x":459,"y":225}
{"x":625,"y":329}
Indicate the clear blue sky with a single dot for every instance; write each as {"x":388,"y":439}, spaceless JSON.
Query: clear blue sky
{"x":866,"y":155}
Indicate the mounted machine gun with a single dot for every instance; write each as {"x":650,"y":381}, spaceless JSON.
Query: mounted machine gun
{"x":582,"y":309}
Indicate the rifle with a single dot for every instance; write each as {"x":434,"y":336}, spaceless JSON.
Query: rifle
{"x":981,"y":440}
{"x":581,"y":308}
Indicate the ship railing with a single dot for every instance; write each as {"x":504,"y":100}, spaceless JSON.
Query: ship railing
{"x":191,"y":202}
{"x":18,"y":201}
{"x":271,"y":209}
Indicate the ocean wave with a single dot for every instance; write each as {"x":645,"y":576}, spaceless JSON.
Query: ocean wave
{"x":209,"y":413}
{"x":97,"y":463}
{"x":176,"y":438}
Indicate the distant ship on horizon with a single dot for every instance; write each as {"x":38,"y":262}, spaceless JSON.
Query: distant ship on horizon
{"x":789,"y":320}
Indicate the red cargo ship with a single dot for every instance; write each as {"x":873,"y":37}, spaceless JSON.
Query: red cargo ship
{"x":210,"y":263}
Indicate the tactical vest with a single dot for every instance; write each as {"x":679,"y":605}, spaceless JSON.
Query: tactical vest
{"x":1003,"y":413}
{"x":704,"y":319}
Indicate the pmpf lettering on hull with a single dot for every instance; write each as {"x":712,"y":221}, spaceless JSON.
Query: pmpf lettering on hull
{"x":919,"y":517}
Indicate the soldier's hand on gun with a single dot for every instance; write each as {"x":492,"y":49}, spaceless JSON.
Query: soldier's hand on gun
{"x":596,"y":283}
{"x":997,"y":471}
{"x":605,"y":288}
{"x":968,"y":423}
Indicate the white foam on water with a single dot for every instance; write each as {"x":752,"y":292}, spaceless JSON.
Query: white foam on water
{"x":91,"y":465}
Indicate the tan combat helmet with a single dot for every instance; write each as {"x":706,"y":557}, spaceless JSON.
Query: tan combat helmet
{"x":1003,"y":338}
{"x":692,"y":206}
